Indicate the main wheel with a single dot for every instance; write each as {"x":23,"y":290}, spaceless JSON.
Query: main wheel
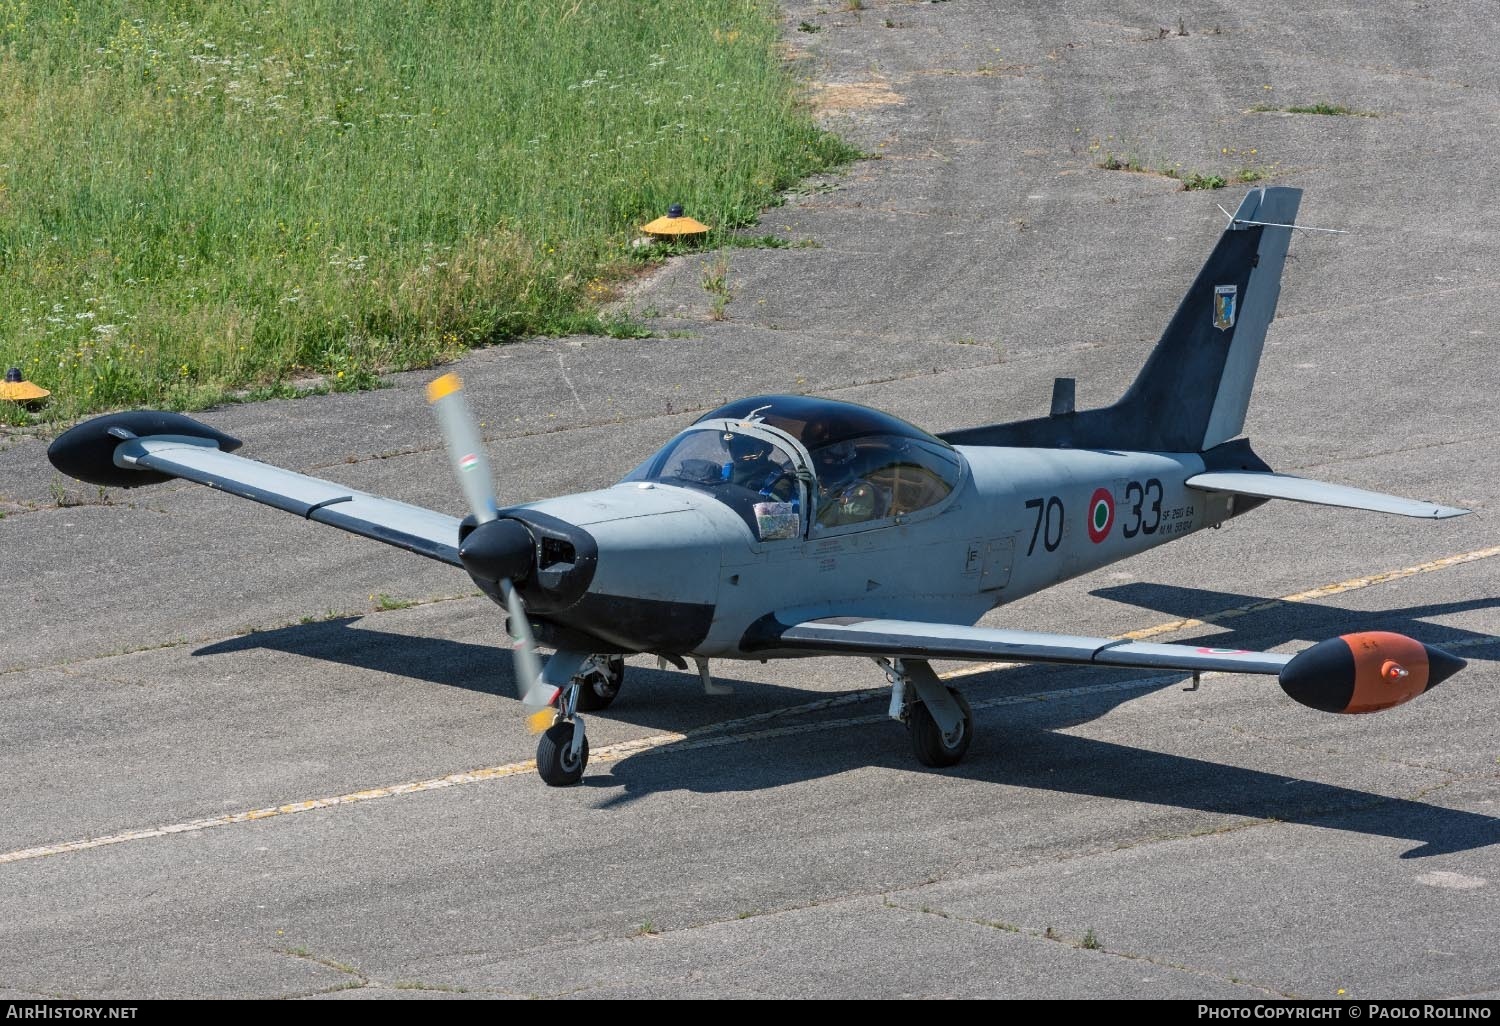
{"x":599,"y":688}
{"x":553,"y":761}
{"x":927,"y":740}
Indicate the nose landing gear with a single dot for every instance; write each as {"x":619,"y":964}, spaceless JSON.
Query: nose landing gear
{"x":562,"y":754}
{"x":593,"y":682}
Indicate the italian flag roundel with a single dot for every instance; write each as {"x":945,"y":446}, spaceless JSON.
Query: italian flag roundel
{"x":1101,"y":515}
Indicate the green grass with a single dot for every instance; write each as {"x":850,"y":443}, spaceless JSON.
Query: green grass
{"x":1191,"y":180}
{"x":201,"y":197}
{"x":1198,"y":180}
{"x":1325,"y":109}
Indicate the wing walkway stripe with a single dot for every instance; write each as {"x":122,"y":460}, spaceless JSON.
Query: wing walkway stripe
{"x":732,"y":732}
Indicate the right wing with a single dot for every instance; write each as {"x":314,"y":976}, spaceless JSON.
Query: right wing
{"x":109,"y":451}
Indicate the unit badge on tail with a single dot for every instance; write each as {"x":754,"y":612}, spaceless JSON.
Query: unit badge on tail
{"x":1224,"y":304}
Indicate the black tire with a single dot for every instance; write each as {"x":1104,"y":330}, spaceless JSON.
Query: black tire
{"x":927,"y":740}
{"x":600,"y":689}
{"x":552,"y":760}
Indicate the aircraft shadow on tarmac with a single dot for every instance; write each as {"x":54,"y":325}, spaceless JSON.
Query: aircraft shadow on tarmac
{"x":1305,"y":621}
{"x":1018,"y":745}
{"x":653,"y":699}
{"x":1022,"y":745}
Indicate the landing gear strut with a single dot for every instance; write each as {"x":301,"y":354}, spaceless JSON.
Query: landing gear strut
{"x":599,"y":682}
{"x":562,"y":754}
{"x":937,"y":717}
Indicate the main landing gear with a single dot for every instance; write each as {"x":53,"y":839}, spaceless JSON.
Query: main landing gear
{"x":599,"y":682}
{"x":562,"y":754}
{"x":937,"y":717}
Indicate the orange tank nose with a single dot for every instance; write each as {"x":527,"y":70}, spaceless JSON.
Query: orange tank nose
{"x":1366,"y":672}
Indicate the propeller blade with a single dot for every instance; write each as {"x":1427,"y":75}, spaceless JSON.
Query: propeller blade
{"x":465,"y":447}
{"x":536,"y":697}
{"x":503,"y":549}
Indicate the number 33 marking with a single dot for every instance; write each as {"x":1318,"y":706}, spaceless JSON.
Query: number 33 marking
{"x":1136,"y":496}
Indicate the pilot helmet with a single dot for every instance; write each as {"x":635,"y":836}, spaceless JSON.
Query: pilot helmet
{"x":746,"y":448}
{"x":837,"y":454}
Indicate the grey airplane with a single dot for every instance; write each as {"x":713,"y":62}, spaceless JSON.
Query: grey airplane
{"x":786,"y":526}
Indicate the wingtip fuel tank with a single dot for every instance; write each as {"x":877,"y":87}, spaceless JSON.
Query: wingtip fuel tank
{"x":1366,"y":672}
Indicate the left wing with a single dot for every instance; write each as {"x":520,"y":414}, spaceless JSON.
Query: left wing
{"x":1354,"y":673}
{"x":914,"y":640}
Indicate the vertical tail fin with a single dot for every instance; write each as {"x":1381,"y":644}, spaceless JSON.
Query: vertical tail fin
{"x":1193,"y":392}
{"x":1195,"y":387}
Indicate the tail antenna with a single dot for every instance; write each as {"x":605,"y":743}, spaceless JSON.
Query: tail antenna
{"x":1271,"y":224}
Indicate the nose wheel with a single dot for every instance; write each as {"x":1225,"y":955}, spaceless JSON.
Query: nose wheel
{"x":562,"y":754}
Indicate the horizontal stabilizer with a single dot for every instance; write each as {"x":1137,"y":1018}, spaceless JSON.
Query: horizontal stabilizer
{"x":1266,"y":485}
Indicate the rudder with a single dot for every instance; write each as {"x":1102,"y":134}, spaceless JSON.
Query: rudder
{"x":1196,"y":384}
{"x":1194,"y":390}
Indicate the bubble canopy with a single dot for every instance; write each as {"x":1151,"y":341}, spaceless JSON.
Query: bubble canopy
{"x":816,"y":422}
{"x":863,"y":469}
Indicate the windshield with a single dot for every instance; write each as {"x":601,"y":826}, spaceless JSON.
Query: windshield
{"x":751,"y":475}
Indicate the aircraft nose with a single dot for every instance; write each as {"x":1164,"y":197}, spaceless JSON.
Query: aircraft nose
{"x":498,"y":550}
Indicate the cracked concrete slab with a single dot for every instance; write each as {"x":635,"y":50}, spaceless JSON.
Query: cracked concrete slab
{"x":1269,"y":907}
{"x":884,"y":951}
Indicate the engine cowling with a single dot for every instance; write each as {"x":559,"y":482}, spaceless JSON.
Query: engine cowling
{"x":1366,"y":672}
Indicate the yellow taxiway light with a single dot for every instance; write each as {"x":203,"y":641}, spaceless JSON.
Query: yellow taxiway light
{"x":675,"y":225}
{"x":18,"y":389}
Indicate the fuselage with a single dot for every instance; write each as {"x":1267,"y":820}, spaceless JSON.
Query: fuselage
{"x":681,"y":572}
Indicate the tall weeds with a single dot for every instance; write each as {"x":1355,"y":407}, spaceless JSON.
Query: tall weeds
{"x":197,"y":196}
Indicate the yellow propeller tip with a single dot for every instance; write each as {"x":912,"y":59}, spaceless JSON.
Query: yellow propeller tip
{"x":540,"y":720}
{"x":442,"y":387}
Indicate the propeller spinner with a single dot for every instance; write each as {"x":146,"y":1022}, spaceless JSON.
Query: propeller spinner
{"x":497,"y":550}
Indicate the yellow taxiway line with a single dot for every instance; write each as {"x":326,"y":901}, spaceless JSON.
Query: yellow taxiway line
{"x":734,"y":731}
{"x":1261,"y":605}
